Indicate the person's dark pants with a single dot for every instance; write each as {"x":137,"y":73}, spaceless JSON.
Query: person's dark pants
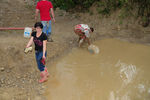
{"x":39,"y":55}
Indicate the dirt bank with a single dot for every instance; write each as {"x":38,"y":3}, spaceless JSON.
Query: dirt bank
{"x":18,"y":71}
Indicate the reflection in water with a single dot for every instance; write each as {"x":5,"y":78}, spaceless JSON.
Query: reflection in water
{"x":119,"y":72}
{"x":127,"y":72}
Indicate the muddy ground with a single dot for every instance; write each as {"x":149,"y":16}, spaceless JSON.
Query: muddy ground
{"x":18,"y":72}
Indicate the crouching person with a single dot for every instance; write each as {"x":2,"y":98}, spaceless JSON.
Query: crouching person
{"x":83,"y":31}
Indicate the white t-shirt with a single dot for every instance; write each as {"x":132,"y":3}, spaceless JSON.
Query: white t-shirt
{"x":85,"y":28}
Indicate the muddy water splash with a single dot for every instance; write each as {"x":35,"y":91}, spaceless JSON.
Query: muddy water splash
{"x":119,"y":72}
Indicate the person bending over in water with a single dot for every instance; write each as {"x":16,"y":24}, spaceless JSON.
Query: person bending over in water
{"x":83,"y":31}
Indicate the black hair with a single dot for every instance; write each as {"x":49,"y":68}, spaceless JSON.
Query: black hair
{"x":92,"y":29}
{"x":38,"y":24}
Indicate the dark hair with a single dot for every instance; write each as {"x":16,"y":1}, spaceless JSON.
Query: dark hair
{"x":38,"y":24}
{"x":92,"y":29}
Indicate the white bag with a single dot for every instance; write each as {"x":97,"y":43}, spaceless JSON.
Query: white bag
{"x":27,"y":32}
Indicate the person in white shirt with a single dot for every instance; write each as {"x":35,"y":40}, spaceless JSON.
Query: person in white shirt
{"x":83,"y":31}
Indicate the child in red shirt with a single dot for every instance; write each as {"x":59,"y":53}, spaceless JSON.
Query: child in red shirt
{"x":45,"y":8}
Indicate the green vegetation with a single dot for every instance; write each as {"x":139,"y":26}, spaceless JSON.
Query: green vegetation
{"x":141,"y":8}
{"x":70,"y":4}
{"x":106,"y":6}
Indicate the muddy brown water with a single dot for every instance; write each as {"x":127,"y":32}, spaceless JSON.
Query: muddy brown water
{"x":121,"y":71}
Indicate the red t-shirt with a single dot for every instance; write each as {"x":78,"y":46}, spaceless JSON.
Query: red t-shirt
{"x":44,"y":7}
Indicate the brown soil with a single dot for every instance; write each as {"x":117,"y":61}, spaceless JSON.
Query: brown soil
{"x":18,"y":72}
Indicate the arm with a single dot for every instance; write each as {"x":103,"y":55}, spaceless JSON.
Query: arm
{"x":36,"y":14}
{"x":87,"y":34}
{"x":82,"y":37}
{"x":53,"y":15}
{"x":79,"y":39}
{"x":44,"y":48}
{"x":30,"y":42}
{"x":88,"y":40}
